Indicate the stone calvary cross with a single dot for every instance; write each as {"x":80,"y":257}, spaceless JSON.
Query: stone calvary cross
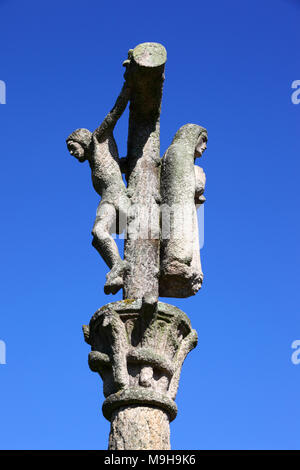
{"x":138,"y":345}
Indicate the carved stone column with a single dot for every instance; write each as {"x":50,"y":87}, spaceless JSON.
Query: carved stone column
{"x":138,"y":344}
{"x":139,"y":356}
{"x":146,"y":71}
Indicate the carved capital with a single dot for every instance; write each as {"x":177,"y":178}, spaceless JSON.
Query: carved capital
{"x":139,"y":355}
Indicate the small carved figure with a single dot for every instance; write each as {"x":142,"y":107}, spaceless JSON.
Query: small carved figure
{"x":182,"y":186}
{"x":100,"y":150}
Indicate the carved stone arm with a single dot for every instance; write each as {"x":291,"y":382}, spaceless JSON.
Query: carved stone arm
{"x":116,"y":112}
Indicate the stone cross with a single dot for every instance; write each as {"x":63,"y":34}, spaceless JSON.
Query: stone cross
{"x":139,"y":344}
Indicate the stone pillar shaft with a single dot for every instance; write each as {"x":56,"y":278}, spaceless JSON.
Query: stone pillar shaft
{"x":138,"y":345}
{"x":146,"y":72}
{"x":139,"y":427}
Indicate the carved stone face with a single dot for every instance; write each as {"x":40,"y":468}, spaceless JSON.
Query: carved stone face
{"x":76,"y":149}
{"x":201,"y":146}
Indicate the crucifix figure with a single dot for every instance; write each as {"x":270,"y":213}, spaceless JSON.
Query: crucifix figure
{"x":173,"y":267}
{"x":100,"y":150}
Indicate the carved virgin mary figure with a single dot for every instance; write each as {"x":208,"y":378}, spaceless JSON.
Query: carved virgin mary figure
{"x":182,"y":187}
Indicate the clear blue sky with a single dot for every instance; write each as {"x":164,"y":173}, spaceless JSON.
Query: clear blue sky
{"x":230,"y":68}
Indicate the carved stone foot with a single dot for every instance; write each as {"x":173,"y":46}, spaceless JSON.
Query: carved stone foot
{"x":139,"y":357}
{"x":114,"y":279}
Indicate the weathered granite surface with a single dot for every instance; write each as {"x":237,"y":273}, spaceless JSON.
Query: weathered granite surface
{"x":139,"y":356}
{"x":139,"y":428}
{"x":138,"y":345}
{"x":146,"y":71}
{"x":158,"y":190}
{"x":100,"y":150}
{"x":182,"y":186}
